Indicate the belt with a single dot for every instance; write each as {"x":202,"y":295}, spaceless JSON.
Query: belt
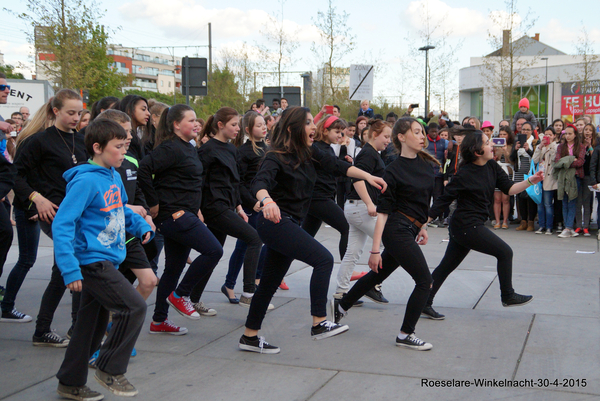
{"x":412,"y":220}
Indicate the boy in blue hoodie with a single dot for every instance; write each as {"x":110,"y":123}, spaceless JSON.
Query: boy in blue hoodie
{"x":89,"y":244}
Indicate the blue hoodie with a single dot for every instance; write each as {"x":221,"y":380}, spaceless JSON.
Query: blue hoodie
{"x":91,"y":221}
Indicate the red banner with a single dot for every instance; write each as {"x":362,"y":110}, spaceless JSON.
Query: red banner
{"x":580,"y":104}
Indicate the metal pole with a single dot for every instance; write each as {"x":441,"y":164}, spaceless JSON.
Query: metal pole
{"x":426,"y":70}
{"x":209,"y":49}
{"x":186,"y":70}
{"x":174,"y":86}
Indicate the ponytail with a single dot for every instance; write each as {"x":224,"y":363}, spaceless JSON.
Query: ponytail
{"x":165,"y":130}
{"x":223,"y":115}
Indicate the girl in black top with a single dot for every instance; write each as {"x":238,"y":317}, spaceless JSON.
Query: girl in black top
{"x":323,"y":207}
{"x":46,"y":148}
{"x":473,"y":187}
{"x":137,"y":109}
{"x":221,"y":202}
{"x":284,"y":186}
{"x":401,"y":216}
{"x":171,"y":178}
{"x":251,"y":154}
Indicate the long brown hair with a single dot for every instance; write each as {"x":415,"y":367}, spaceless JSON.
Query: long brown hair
{"x":289,"y":135}
{"x":376,"y":127}
{"x":165,"y":130}
{"x":564,"y":146}
{"x":45,"y":117}
{"x":223,"y":115}
{"x":402,"y":126}
{"x":248,"y":122}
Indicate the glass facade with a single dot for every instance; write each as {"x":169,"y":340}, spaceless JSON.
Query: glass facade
{"x":537,"y":96}
{"x":477,"y":105}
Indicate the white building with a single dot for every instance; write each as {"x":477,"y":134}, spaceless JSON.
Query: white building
{"x":551,"y":80}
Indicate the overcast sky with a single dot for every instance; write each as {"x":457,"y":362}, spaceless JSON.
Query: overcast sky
{"x":381,"y":29}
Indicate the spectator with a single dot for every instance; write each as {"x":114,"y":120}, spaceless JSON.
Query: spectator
{"x":545,"y":154}
{"x":487,"y":128}
{"x":284,"y":103}
{"x":25,"y":113}
{"x":365,"y":110}
{"x":523,"y":113}
{"x":437,"y":147}
{"x":521,"y":157}
{"x":502,"y":156}
{"x":391,"y":117}
{"x":18,"y":119}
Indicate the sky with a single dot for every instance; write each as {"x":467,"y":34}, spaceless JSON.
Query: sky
{"x":386,"y":33}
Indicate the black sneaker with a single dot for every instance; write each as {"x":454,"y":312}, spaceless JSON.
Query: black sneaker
{"x":50,"y":339}
{"x":413,"y":342}
{"x":517,"y":300}
{"x":337,"y":312}
{"x":118,"y":384}
{"x":358,"y":303}
{"x":430,"y":313}
{"x":257,"y":344}
{"x":327,"y":329}
{"x":375,"y":295}
{"x":83,"y":393}
{"x":14,"y":316}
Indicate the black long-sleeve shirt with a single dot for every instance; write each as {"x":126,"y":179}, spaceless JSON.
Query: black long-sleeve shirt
{"x":7,"y":176}
{"x":221,"y":188}
{"x":370,"y":161}
{"x":177,"y":183}
{"x":41,"y":162}
{"x":325,"y":185}
{"x":473,"y":186}
{"x":128,"y":172}
{"x":249,"y":164}
{"x":410,"y":186}
{"x":291,"y":185}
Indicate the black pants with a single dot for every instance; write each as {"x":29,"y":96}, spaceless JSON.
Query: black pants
{"x":104,"y":290}
{"x":401,"y":249}
{"x":527,"y":207}
{"x":326,"y":210}
{"x":6,"y":234}
{"x":230,"y":223}
{"x":480,"y":239}
{"x":285,"y":242}
{"x":558,"y":214}
{"x":53,"y":295}
{"x":343,"y":189}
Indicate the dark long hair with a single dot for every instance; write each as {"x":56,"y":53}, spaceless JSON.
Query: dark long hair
{"x":127,"y":105}
{"x":402,"y":126}
{"x":103,"y":104}
{"x":289,"y":135}
{"x":564,"y":146}
{"x":223,"y":115}
{"x":471,"y":147}
{"x":165,"y":130}
{"x":248,"y":122}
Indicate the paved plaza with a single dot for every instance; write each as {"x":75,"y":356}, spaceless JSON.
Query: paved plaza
{"x":549,"y":349}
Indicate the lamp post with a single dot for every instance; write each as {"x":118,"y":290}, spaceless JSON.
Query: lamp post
{"x":426,"y":50}
{"x":547,"y":119}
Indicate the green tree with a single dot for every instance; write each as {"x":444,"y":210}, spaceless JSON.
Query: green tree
{"x":222,"y":91}
{"x":8,"y":70}
{"x":75,"y":44}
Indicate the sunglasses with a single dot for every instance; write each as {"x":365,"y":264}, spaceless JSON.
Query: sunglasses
{"x":4,"y":87}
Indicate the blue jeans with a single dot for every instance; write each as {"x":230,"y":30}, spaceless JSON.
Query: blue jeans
{"x":182,"y":235}
{"x":546,"y":210}
{"x":28,"y":233}
{"x":570,"y":207}
{"x":237,"y":256}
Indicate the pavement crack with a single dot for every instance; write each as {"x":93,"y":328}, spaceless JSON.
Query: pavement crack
{"x":523,"y":348}
{"x":323,"y":385}
{"x":485,"y":291}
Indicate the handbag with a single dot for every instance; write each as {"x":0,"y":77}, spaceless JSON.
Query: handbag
{"x":534,"y":191}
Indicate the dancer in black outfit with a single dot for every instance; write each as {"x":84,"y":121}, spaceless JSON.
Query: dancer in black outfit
{"x":284,"y":185}
{"x":473,"y":187}
{"x":401,"y":215}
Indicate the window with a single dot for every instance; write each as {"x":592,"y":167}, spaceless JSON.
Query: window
{"x":162,"y":83}
{"x":169,"y":84}
{"x":477,"y":104}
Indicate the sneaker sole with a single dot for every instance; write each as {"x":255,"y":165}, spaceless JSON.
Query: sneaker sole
{"x":245,"y":305}
{"x":8,"y":320}
{"x":431,"y":317}
{"x":63,"y":345}
{"x":251,"y":348}
{"x":510,"y":306}
{"x":173,"y":333}
{"x":115,"y":391}
{"x":415,"y":347}
{"x":331,"y":333}
{"x":208,"y":313}
{"x":183,"y":313}
{"x":376,"y":300}
{"x":78,"y":397}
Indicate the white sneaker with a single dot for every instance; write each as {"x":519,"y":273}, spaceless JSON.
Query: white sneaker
{"x":574,"y":234}
{"x":540,"y":230}
{"x":204,"y":310}
{"x":566,"y":233}
{"x":548,"y":232}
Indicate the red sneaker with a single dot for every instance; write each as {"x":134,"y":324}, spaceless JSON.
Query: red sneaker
{"x":578,"y":230}
{"x":183,"y":306}
{"x":357,"y":276}
{"x":284,"y":286}
{"x":586,"y":232}
{"x":167,"y":327}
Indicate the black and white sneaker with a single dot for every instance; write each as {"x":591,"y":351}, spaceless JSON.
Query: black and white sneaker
{"x":257,"y":344}
{"x":430,"y":313}
{"x":327,"y":329}
{"x":413,"y":342}
{"x":14,"y":316}
{"x":337,"y":312}
{"x":517,"y":300}
{"x":50,"y":339}
{"x":83,"y":393}
{"x":375,"y":295}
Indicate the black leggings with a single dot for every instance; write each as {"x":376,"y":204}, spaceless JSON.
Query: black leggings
{"x":285,"y":242}
{"x":328,"y":211}
{"x":480,"y":239}
{"x":401,"y":249}
{"x":230,"y":223}
{"x":527,"y":207}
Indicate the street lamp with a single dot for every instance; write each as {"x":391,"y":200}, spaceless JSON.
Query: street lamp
{"x":546,"y":60}
{"x":426,"y":50}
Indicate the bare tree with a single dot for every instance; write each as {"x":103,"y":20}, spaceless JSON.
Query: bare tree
{"x":283,"y":43}
{"x":336,"y":43}
{"x":243,"y":62}
{"x":590,"y":66}
{"x":506,"y":69}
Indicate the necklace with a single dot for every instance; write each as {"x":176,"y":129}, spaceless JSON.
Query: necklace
{"x":65,"y":142}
